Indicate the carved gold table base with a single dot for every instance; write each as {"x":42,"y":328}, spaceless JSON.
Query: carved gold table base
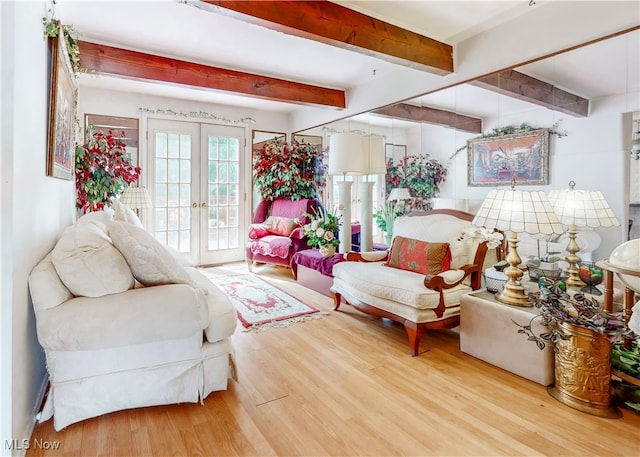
{"x":583,"y":372}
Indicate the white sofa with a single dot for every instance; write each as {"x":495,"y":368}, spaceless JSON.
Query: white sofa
{"x":417,"y":301}
{"x":124,"y":323}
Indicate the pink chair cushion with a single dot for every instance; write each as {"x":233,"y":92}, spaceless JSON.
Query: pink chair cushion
{"x":257,"y":231}
{"x":272,"y":245}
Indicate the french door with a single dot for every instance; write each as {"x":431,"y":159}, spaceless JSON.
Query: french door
{"x":196,"y":178}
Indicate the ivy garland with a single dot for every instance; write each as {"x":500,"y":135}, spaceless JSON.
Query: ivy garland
{"x":51,"y":29}
{"x":511,"y":129}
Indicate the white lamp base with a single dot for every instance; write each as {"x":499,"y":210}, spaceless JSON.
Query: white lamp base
{"x":344,"y":202}
{"x":366,"y":216}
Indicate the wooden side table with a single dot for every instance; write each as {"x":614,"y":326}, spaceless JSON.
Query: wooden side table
{"x":488,"y":333}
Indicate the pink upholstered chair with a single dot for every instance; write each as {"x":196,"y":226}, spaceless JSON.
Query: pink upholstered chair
{"x":273,"y":237}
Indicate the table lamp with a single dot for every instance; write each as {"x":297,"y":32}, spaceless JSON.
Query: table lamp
{"x":136,"y":198}
{"x":345,"y":158}
{"x":517,"y":211}
{"x":373,"y":151}
{"x":580,"y":208}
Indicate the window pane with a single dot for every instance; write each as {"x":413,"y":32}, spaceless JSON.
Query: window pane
{"x":213,"y":148}
{"x":161,"y":170}
{"x":161,"y":144}
{"x":234,"y":149}
{"x":185,"y":146}
{"x":173,"y":170}
{"x":172,"y":218}
{"x":161,"y":195}
{"x":173,"y":146}
{"x":173,"y":194}
{"x":185,"y":195}
{"x":185,"y":171}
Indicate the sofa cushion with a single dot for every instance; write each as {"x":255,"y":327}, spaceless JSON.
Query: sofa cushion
{"x":150,"y":262}
{"x":123,"y":213}
{"x":88,"y":264}
{"x":380,"y":283}
{"x":278,"y":225}
{"x":137,"y":316}
{"x":419,"y":256}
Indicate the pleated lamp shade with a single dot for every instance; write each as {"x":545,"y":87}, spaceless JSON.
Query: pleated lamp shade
{"x":136,"y":198}
{"x":346,"y":154}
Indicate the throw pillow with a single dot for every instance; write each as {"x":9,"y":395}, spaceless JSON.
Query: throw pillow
{"x":88,"y":264}
{"x":257,"y":231}
{"x":123,"y":213}
{"x":150,"y":263}
{"x":419,"y":256}
{"x":280,"y":225}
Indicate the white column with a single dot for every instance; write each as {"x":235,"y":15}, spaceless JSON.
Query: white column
{"x":344,"y":202}
{"x":366,"y":216}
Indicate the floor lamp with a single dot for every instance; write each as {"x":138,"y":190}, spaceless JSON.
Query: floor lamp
{"x":345,"y":158}
{"x":580,"y":208}
{"x":517,"y":211}
{"x":373,"y":151}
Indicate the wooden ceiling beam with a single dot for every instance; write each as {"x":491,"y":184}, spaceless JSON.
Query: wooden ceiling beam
{"x":406,"y":112}
{"x":342,"y":27}
{"x":102,"y":59}
{"x":518,"y":85}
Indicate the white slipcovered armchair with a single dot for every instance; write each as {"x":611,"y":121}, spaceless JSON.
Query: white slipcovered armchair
{"x":404,"y":293}
{"x":124,"y":324}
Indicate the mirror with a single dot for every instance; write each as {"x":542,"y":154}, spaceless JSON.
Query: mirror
{"x":583,"y":148}
{"x":125,"y":128}
{"x":258,"y":140}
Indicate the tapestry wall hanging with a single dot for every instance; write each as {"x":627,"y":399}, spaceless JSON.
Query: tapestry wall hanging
{"x":523,"y":157}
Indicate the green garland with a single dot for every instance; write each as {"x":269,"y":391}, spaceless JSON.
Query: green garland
{"x":51,"y":30}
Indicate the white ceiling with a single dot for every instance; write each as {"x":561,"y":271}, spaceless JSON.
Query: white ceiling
{"x":182,"y":30}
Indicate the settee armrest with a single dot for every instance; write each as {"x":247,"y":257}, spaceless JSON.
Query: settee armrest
{"x":370,"y":256}
{"x":451,"y":278}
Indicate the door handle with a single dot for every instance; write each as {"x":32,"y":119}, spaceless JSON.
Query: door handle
{"x":194,"y":205}
{"x":203,"y":204}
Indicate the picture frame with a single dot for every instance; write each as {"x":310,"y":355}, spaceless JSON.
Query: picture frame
{"x":63,"y":92}
{"x":311,"y":139}
{"x":498,"y":160}
{"x":394,"y":152}
{"x":126,"y":129}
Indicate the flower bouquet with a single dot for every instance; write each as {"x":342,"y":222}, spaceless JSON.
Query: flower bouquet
{"x":321,"y":231}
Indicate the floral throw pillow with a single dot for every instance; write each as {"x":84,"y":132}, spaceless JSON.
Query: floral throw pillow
{"x":419,"y":256}
{"x":280,"y":225}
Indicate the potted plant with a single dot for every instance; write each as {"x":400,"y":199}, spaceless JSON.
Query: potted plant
{"x":103,"y":169}
{"x":321,"y":231}
{"x":386,"y":215}
{"x":420,"y":174}
{"x":581,"y":332}
{"x":294,"y":171}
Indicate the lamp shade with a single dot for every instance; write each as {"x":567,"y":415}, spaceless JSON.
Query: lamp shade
{"x":373,"y":149}
{"x":582,"y":208}
{"x":399,"y":193}
{"x":346,"y":155}
{"x":136,"y":198}
{"x":518,"y":211}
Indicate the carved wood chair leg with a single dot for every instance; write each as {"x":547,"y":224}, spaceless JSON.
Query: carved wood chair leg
{"x":249,"y":265}
{"x":415,"y":332}
{"x":337,"y":299}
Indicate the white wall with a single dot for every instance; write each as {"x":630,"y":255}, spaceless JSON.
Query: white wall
{"x":35,"y":208}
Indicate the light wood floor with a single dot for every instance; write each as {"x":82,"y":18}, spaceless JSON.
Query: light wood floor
{"x":345,"y":385}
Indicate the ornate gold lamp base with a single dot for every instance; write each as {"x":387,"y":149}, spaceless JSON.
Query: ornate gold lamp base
{"x":513,"y":291}
{"x":583,"y":372}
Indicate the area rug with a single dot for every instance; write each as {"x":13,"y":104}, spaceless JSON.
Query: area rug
{"x":261,"y":305}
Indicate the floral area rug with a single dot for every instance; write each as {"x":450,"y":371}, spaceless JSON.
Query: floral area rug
{"x":261,"y":305}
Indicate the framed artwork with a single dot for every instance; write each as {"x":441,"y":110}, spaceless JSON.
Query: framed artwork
{"x":62,"y":112}
{"x":311,"y":139}
{"x":395,"y":152}
{"x":523,"y":157}
{"x":124,"y":128}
